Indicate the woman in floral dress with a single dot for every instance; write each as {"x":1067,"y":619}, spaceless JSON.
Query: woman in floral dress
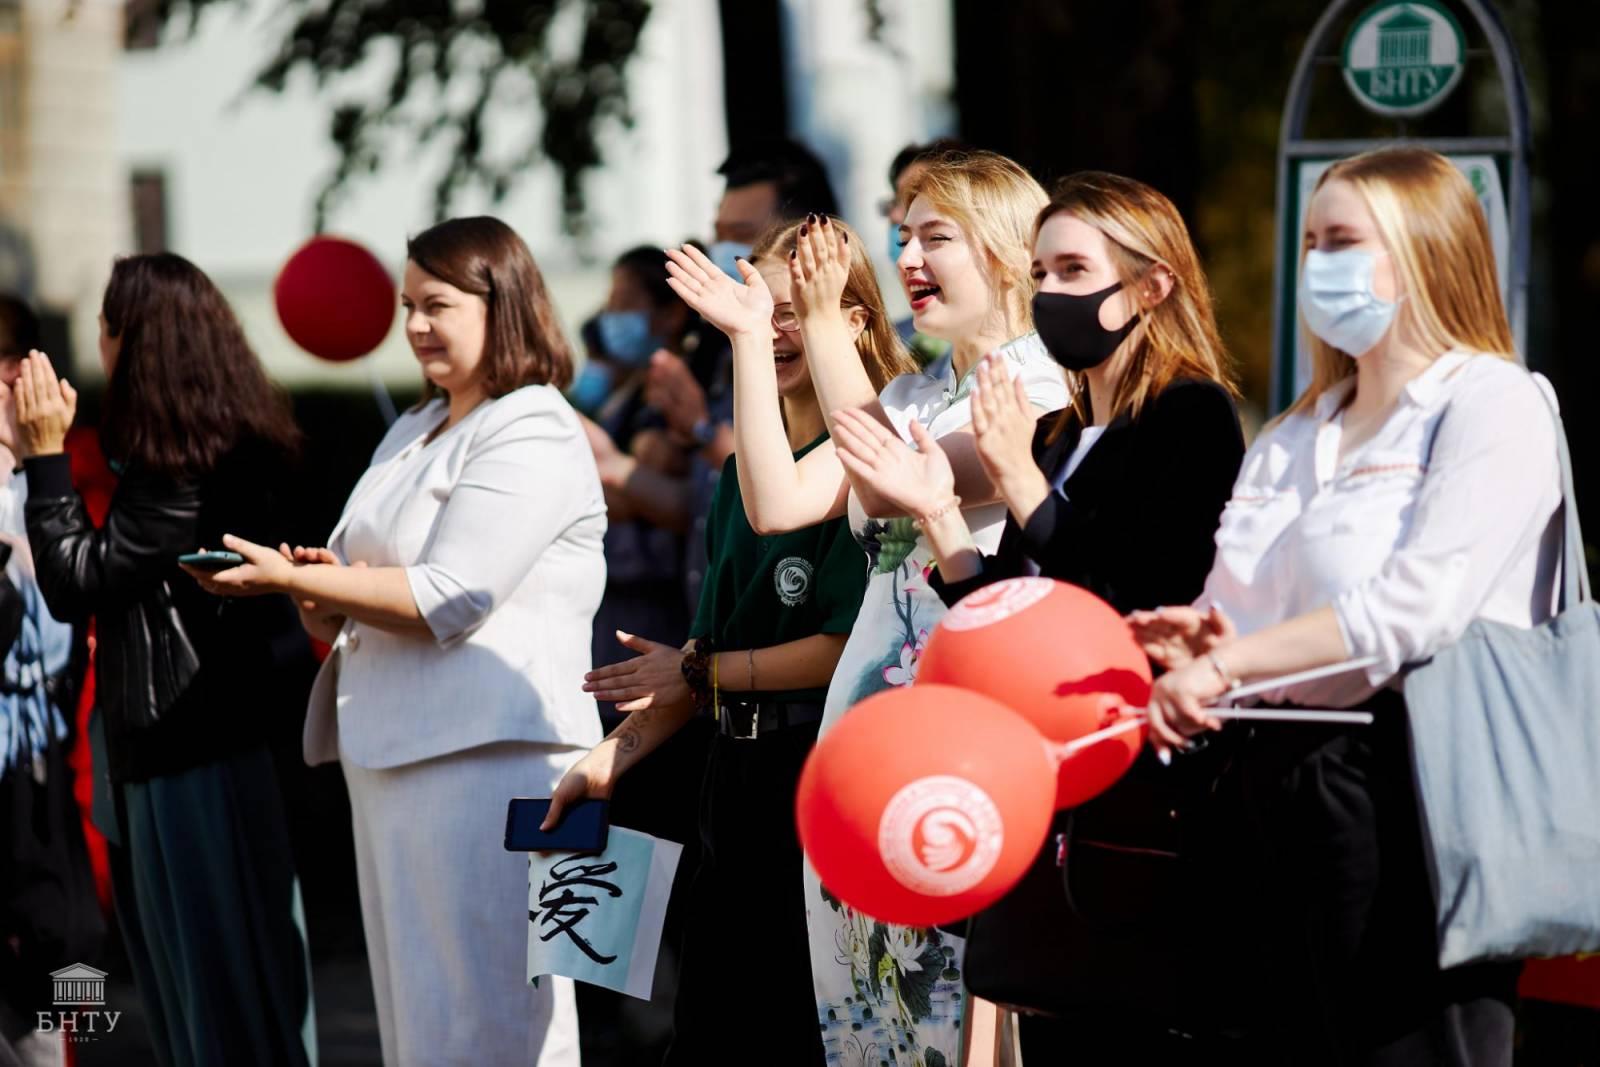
{"x":884,"y":992}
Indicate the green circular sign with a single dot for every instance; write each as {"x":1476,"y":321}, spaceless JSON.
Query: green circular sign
{"x":1403,"y":59}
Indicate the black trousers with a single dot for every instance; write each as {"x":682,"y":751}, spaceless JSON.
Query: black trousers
{"x":1347,"y":941}
{"x":744,"y":988}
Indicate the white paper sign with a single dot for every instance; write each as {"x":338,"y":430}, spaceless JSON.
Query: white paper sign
{"x":597,"y":918}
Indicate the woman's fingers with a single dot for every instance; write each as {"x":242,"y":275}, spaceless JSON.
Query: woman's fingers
{"x":694,"y":264}
{"x":638,"y":705}
{"x":926,"y":443}
{"x":641,"y":644}
{"x":609,"y":674}
{"x":805,"y":251}
{"x":620,"y":693}
{"x":848,"y":438}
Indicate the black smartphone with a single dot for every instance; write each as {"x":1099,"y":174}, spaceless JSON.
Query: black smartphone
{"x":211,"y":561}
{"x":582,"y":828}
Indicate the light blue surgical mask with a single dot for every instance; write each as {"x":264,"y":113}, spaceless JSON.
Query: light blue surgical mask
{"x":626,"y":337}
{"x":894,"y":248}
{"x":1338,"y":303}
{"x":724,"y":253}
{"x":591,"y":387}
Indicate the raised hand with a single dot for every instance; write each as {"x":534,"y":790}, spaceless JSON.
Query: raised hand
{"x":819,"y":267}
{"x":45,"y":407}
{"x":652,"y":679}
{"x":731,"y":307}
{"x":1174,"y":637}
{"x":918,"y":483}
{"x":1003,"y":424}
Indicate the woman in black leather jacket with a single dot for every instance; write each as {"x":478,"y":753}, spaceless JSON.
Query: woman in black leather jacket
{"x":204,"y":879}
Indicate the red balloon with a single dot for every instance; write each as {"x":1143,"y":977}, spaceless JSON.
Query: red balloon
{"x":335,"y":299}
{"x":1060,"y":657}
{"x":925,"y":804}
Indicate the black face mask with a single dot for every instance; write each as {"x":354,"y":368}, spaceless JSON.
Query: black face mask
{"x":1069,"y":326}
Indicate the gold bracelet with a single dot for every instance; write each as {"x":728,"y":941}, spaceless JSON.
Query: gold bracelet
{"x":937,"y":513}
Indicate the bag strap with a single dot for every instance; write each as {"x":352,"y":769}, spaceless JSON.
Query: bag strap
{"x":1574,"y":568}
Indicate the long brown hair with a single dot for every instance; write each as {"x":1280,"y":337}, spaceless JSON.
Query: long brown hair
{"x":186,"y":387}
{"x":882,"y":352}
{"x":1145,"y":231}
{"x":1433,"y":226}
{"x":523,"y":343}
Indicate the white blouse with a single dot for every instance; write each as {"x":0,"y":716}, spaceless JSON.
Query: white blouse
{"x":498,"y":522}
{"x":1448,"y":514}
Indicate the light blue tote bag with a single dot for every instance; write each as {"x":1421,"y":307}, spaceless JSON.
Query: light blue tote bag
{"x":1505,"y":740}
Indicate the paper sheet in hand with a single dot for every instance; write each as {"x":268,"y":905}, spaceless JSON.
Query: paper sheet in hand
{"x":597,"y":918}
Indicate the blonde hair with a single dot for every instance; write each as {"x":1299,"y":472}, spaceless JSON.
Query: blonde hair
{"x":879,"y":345}
{"x":1145,"y":231}
{"x":994,"y":201}
{"x":1438,"y":240}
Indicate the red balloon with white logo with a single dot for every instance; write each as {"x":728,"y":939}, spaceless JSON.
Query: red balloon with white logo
{"x":925,"y":804}
{"x":1057,"y":655}
{"x":335,"y":299}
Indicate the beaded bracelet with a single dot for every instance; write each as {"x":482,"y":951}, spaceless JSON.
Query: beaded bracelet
{"x":937,"y":513}
{"x":696,"y":668}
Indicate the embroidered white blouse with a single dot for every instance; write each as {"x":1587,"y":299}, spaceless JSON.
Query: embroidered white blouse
{"x":1448,"y":514}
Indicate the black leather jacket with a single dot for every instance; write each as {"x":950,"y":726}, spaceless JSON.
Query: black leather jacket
{"x":125,"y":574}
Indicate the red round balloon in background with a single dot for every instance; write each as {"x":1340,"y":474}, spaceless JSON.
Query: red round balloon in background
{"x":335,"y":299}
{"x":1057,"y":655}
{"x":925,"y":804}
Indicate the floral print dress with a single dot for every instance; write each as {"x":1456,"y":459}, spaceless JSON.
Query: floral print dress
{"x":892,"y":994}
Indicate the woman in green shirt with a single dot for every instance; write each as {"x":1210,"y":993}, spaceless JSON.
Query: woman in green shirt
{"x":773,"y":617}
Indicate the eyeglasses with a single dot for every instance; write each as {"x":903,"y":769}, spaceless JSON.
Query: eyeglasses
{"x":787,"y":319}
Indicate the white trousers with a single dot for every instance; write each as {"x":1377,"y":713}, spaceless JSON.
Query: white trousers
{"x":445,"y":909}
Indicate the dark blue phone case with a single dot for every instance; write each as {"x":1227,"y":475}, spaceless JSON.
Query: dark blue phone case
{"x":583,"y":826}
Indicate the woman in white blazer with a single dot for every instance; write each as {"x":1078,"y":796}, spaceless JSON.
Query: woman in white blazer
{"x":458,"y":591}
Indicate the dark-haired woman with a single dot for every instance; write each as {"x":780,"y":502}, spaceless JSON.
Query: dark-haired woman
{"x":201,"y":865}
{"x":457,"y":592}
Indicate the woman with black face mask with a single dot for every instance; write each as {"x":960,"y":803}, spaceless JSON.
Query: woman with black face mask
{"x":1120,"y":493}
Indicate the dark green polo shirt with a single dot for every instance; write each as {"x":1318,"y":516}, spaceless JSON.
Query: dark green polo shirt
{"x":763,"y":591}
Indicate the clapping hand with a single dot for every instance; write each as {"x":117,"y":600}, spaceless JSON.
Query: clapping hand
{"x":819,"y":267}
{"x":45,"y":407}
{"x":1173,"y":637}
{"x":918,"y":483}
{"x":1003,"y":423}
{"x":650,"y":680}
{"x":731,"y":307}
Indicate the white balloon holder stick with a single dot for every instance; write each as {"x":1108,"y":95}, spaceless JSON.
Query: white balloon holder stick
{"x":1324,"y":716}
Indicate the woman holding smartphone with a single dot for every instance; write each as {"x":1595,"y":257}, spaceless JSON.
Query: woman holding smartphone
{"x":773,"y":618}
{"x":185,"y":790}
{"x":457,"y":591}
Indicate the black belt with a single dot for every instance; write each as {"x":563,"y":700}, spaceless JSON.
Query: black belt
{"x":747,"y":720}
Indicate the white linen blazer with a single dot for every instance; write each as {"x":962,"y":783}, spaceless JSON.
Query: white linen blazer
{"x":499,"y":524}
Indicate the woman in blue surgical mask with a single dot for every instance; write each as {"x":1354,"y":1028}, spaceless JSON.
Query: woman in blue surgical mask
{"x":1411,"y":490}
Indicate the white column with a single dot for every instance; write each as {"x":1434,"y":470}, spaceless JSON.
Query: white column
{"x":857,"y":102}
{"x":77,"y":189}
